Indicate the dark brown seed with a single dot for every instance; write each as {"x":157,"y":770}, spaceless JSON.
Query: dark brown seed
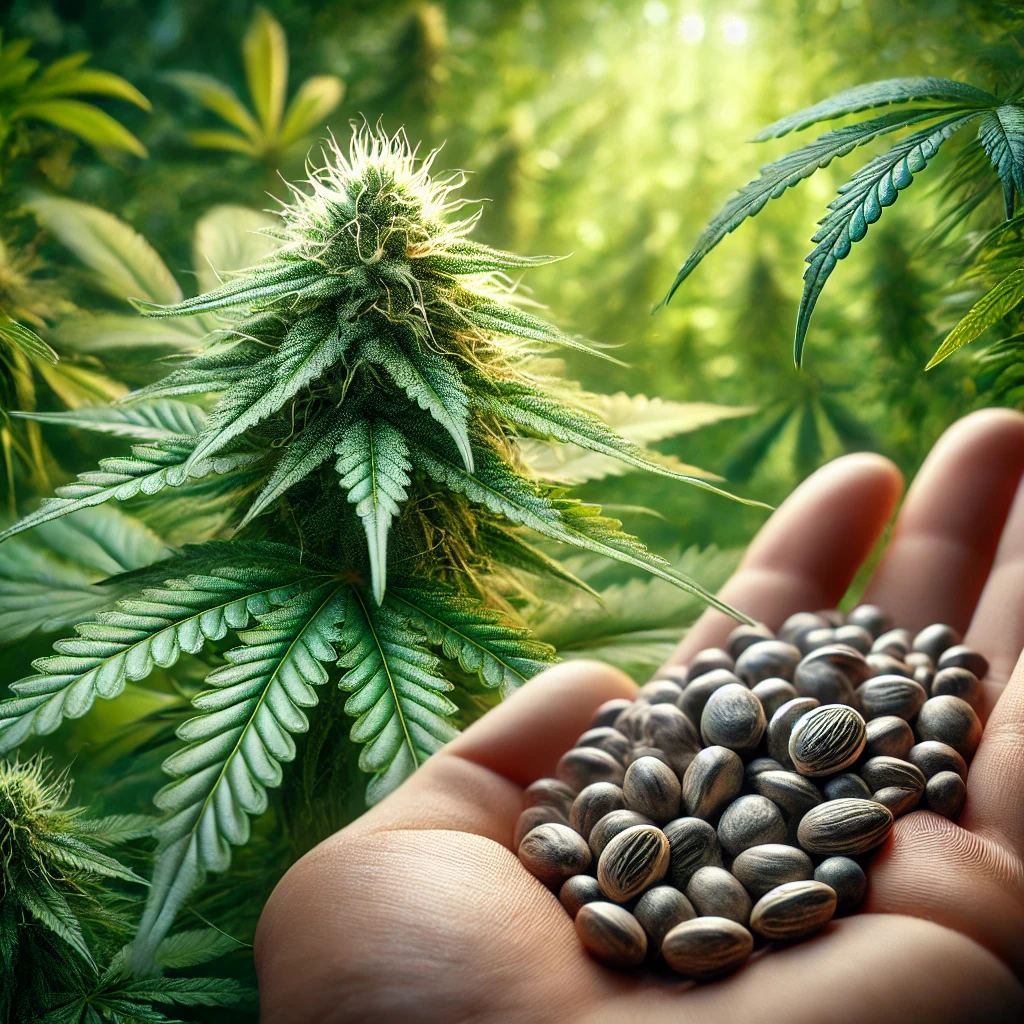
{"x":593,"y":803}
{"x":660,"y":691}
{"x":799,"y":623}
{"x":707,"y":947}
{"x":634,"y":860}
{"x":846,"y":877}
{"x":952,"y":721}
{"x":693,"y":844}
{"x":553,"y":853}
{"x":630,"y":722}
{"x":887,"y":665}
{"x":849,"y":827}
{"x":962,"y":656}
{"x":758,"y":765}
{"x":609,"y":711}
{"x":712,"y":781}
{"x":578,"y":891}
{"x":773,"y":693}
{"x":652,"y":789}
{"x":957,"y":682}
{"x":716,"y":893}
{"x":744,"y":636}
{"x":750,"y":821}
{"x":608,"y":739}
{"x":610,"y":826}
{"x":767,"y":660}
{"x":696,"y":695}
{"x":857,"y":637}
{"x":793,"y":910}
{"x":945,"y":794}
{"x":761,"y":868}
{"x":935,"y":639}
{"x":889,"y":736}
{"x":659,"y":910}
{"x":815,"y":638}
{"x":611,"y":935}
{"x":707,"y":660}
{"x":553,"y":792}
{"x":924,"y":676}
{"x":933,"y":757}
{"x":826,"y":739}
{"x":881,"y":772}
{"x":582,"y":766}
{"x":733,"y":718}
{"x":669,"y":730}
{"x":870,"y":616}
{"x":531,"y":817}
{"x":895,"y":642}
{"x":899,"y":801}
{"x":793,"y":794}
{"x":781,"y":725}
{"x":891,"y":695}
{"x":847,"y":787}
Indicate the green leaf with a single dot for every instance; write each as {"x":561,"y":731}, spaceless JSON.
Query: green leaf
{"x":50,"y":908}
{"x":128,"y":335}
{"x":235,"y":748}
{"x":754,"y":446}
{"x":228,"y":239}
{"x":77,"y":856}
{"x":159,"y":420}
{"x":397,"y":693}
{"x":509,"y":549}
{"x":374,"y":468}
{"x":502,"y":655}
{"x":1001,"y":134}
{"x":124,"y":264}
{"x":187,"y":991}
{"x":217,"y":98}
{"x":316,"y":99}
{"x":61,"y":79}
{"x":19,"y":337}
{"x":985,"y":313}
{"x":89,"y":123}
{"x":466,"y":257}
{"x":224,"y":140}
{"x":880,"y":94}
{"x":860,"y":203}
{"x":265,"y":55}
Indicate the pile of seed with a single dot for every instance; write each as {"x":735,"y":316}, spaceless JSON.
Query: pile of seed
{"x":736,"y":798}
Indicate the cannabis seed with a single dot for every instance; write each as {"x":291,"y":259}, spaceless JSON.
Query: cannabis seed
{"x":826,"y":739}
{"x":871,"y":617}
{"x":611,"y":934}
{"x":744,"y":636}
{"x":847,"y":826}
{"x":933,"y":757}
{"x":887,"y":665}
{"x":962,"y":656}
{"x":793,"y":794}
{"x":798,"y":624}
{"x":881,"y":772}
{"x":750,"y":821}
{"x":761,"y":868}
{"x":693,"y":844}
{"x":608,"y":739}
{"x":712,"y":781}
{"x":582,"y":766}
{"x":707,"y":947}
{"x":847,"y":787}
{"x":708,"y":660}
{"x":899,"y":801}
{"x":889,"y":736}
{"x":660,"y":691}
{"x":857,"y":637}
{"x":553,"y":792}
{"x":531,"y":817}
{"x":815,"y":638}
{"x":554,"y":852}
{"x":895,"y":642}
{"x":758,"y":765}
{"x":609,"y":711}
{"x":696,"y":695}
{"x":669,"y":730}
{"x":766,"y":660}
{"x":945,"y":794}
{"x":577,"y":891}
{"x":634,"y":860}
{"x":611,"y":825}
{"x":659,"y":910}
{"x":957,"y":682}
{"x":847,"y":879}
{"x":952,"y":721}
{"x":733,"y":718}
{"x":781,"y":725}
{"x":714,"y":892}
{"x":891,"y":695}
{"x":652,"y":789}
{"x":934,"y":639}
{"x":773,"y":693}
{"x":793,"y":910}
{"x":593,"y":803}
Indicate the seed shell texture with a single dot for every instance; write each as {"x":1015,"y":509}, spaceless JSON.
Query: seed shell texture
{"x":581,"y":766}
{"x":891,"y":695}
{"x":531,"y":817}
{"x":652,"y":789}
{"x":782,"y":724}
{"x":933,"y":757}
{"x":714,"y":892}
{"x":767,"y":660}
{"x":945,"y":794}
{"x":827,"y":739}
{"x":577,"y":891}
{"x":733,"y":717}
{"x":952,"y":721}
{"x":693,"y":844}
{"x":761,"y":868}
{"x":750,"y":821}
{"x":553,"y":853}
{"x":848,"y":880}
{"x":793,"y":910}
{"x":553,"y":792}
{"x":593,"y":803}
{"x":634,"y":860}
{"x":659,"y":910}
{"x":849,"y":827}
{"x":610,"y":826}
{"x":611,"y":934}
{"x":707,"y":947}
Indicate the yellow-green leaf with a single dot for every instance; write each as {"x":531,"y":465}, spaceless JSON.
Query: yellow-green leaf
{"x":229,"y":238}
{"x":311,"y":106}
{"x":265,"y":53}
{"x":222,"y":140}
{"x":89,"y":123}
{"x":218,"y":99}
{"x":89,"y":81}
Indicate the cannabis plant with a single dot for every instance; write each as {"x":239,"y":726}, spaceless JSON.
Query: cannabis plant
{"x":939,"y":108}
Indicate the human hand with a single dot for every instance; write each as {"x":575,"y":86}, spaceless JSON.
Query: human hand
{"x":420,"y":911}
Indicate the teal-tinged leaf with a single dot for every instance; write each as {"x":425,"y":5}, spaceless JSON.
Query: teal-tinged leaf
{"x":159,"y":420}
{"x":1001,"y":134}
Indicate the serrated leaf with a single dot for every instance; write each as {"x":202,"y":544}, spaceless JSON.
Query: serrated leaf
{"x":50,"y":908}
{"x":1001,"y":134}
{"x":20,"y":337}
{"x":158,"y":420}
{"x":512,"y":550}
{"x":466,"y":257}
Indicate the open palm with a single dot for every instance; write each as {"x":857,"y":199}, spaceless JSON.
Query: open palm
{"x":419,"y":911}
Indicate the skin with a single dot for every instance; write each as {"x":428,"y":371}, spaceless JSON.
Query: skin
{"x":419,"y":911}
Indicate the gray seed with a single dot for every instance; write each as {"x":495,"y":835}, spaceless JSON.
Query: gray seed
{"x":849,"y":827}
{"x":712,"y":781}
{"x":758,"y":765}
{"x":707,"y":947}
{"x":707,"y":660}
{"x":593,"y":803}
{"x":952,"y":721}
{"x":793,"y":910}
{"x":798,"y":624}
{"x":957,"y":682}
{"x":659,"y":910}
{"x":744,"y":636}
{"x":847,"y":787}
{"x":781,"y":725}
{"x":896,"y":643}
{"x":918,"y":659}
{"x":899,"y":801}
{"x":631,"y":721}
{"x":693,"y":844}
{"x":924,"y":676}
{"x":761,"y":868}
{"x":887,"y":665}
{"x":669,"y":730}
{"x":856,"y":637}
{"x":962,"y":656}
{"x":610,"y":826}
{"x":611,"y":935}
{"x":934,"y":639}
{"x":793,"y":794}
{"x":531,"y":817}
{"x":678,"y":674}
{"x":553,"y":853}
{"x":846,"y":877}
{"x":889,"y":736}
{"x":609,"y":711}
{"x":608,"y":739}
{"x":733,"y":718}
{"x":716,"y":893}
{"x":871,"y":617}
{"x":767,"y":660}
{"x":945,"y":794}
{"x":696,"y":695}
{"x":826,"y":740}
{"x":634,"y":860}
{"x":834,"y":665}
{"x":815,"y":638}
{"x":577,"y":892}
{"x":891,"y":695}
{"x":773,"y":693}
{"x":750,"y":821}
{"x":933,"y":757}
{"x":553,"y":792}
{"x":660,"y":691}
{"x":581,"y":766}
{"x":832,"y":616}
{"x":881,"y":772}
{"x":652,"y":789}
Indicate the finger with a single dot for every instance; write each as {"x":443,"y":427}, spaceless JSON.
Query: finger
{"x":475,"y":784}
{"x":807,"y":553}
{"x":947,"y":533}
